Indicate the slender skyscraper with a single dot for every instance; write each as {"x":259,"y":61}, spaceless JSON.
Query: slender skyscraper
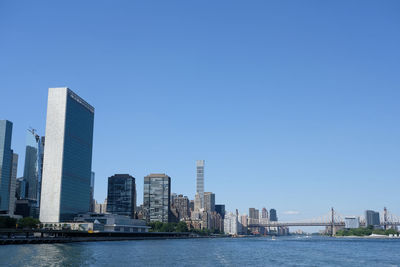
{"x":67,"y":156}
{"x":33,"y":166}
{"x":200,"y":181}
{"x":6,"y":155}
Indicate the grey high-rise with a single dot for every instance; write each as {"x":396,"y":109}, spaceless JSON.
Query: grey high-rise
{"x":209,"y":201}
{"x":181,"y":204}
{"x":67,"y":161}
{"x":6,"y":155}
{"x":121,"y":195}
{"x":156,"y":198}
{"x":200,"y":181}
{"x":254,"y":215}
{"x":372,"y":218}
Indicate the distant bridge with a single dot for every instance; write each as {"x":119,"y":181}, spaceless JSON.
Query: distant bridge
{"x":332,"y":220}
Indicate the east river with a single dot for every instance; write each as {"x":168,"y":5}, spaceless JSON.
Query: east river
{"x":258,"y":251}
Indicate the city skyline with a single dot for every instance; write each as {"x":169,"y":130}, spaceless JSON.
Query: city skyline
{"x":280,"y":126}
{"x":200,"y":163}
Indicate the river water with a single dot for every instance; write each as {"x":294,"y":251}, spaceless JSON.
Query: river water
{"x":258,"y":251}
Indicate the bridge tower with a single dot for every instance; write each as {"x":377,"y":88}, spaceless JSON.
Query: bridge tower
{"x":333,"y":228}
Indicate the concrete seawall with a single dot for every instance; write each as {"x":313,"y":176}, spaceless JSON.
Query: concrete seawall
{"x":9,"y":237}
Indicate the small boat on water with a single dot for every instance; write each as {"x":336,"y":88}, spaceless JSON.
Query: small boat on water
{"x":273,"y":238}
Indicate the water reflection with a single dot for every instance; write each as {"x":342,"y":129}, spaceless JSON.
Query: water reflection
{"x":46,"y":255}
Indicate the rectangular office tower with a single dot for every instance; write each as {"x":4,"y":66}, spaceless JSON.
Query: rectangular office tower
{"x":6,"y":157}
{"x":67,"y":156}
{"x":156,"y":198}
{"x":121,"y":195}
{"x":200,"y":181}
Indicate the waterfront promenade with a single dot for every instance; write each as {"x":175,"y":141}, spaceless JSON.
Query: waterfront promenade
{"x":28,"y":236}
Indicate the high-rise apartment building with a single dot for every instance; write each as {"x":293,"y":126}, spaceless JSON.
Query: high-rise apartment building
{"x":231,"y":224}
{"x":209,"y":202}
{"x":272,"y":215}
{"x":200,"y":181}
{"x":254,"y":215}
{"x":264,"y":213}
{"x":121,"y":195}
{"x":6,"y":156}
{"x":67,"y":162}
{"x":181,"y":204}
{"x":156,"y":198}
{"x":372,"y":218}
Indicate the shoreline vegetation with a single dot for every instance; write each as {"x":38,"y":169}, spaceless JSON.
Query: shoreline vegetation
{"x":368,"y":232}
{"x":180,"y":227}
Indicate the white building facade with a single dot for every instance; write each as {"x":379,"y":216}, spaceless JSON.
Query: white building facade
{"x":67,"y":156}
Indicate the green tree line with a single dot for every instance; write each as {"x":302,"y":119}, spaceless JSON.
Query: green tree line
{"x":27,"y":222}
{"x":365,"y":232}
{"x":179,"y":227}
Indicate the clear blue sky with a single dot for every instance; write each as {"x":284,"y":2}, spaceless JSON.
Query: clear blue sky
{"x":293,"y":104}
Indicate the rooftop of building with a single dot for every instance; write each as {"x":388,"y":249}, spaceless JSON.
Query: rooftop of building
{"x":156,"y":175}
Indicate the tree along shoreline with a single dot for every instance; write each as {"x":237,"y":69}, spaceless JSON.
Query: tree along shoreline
{"x":368,"y":231}
{"x":180,"y":227}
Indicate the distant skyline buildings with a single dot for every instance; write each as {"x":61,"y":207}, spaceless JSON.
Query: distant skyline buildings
{"x":13,"y":183}
{"x":67,"y":156}
{"x":220,"y":209}
{"x":209,"y":201}
{"x":200,"y":181}
{"x":121,"y":196}
{"x":92,"y":183}
{"x":33,"y":166}
{"x":273,"y":217}
{"x":181,"y":204}
{"x":254,"y":216}
{"x":6,"y":157}
{"x":372,"y":218}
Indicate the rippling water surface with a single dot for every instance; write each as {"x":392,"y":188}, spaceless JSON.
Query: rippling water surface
{"x":290,"y":251}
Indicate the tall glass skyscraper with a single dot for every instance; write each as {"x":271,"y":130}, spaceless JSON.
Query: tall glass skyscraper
{"x":200,"y":181}
{"x":121,"y":195}
{"x":156,"y":198}
{"x":6,"y":155}
{"x":33,"y":166}
{"x":67,"y":156}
